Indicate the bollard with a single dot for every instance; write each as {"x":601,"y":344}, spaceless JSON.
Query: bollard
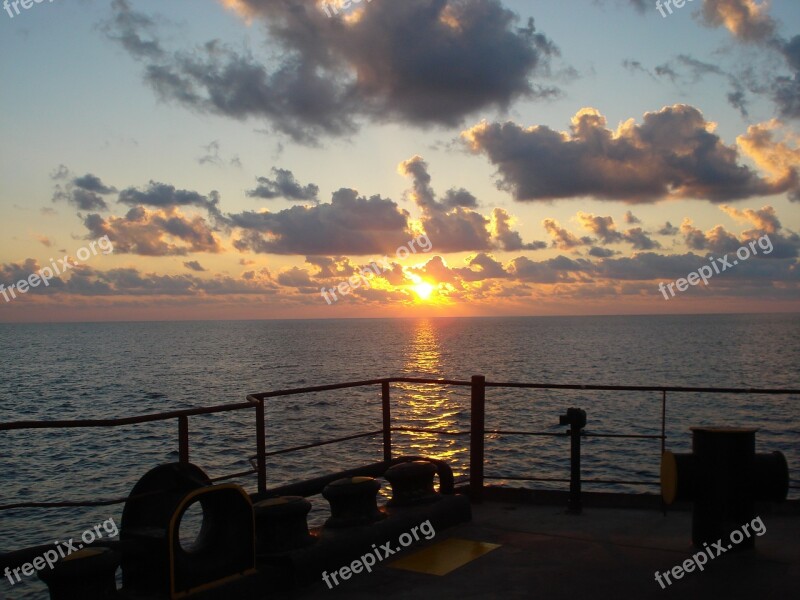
{"x":281,"y":524}
{"x":412,"y":483}
{"x":353,"y":502}
{"x":87,"y":574}
{"x":724,"y":477}
{"x":576,"y":419}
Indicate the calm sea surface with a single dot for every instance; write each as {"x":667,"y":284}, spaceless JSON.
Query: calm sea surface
{"x":79,"y":371}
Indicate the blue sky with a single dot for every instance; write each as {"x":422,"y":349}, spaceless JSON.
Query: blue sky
{"x":76,"y":101}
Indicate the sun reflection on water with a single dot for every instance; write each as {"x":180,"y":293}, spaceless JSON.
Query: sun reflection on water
{"x":422,"y":406}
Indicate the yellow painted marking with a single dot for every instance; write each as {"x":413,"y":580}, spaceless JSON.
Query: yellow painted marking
{"x":444,"y":557}
{"x":669,"y":477}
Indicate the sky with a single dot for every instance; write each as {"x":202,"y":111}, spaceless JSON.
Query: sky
{"x":260,"y":159}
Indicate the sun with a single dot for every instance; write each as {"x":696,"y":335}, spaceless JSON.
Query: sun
{"x":423,"y":290}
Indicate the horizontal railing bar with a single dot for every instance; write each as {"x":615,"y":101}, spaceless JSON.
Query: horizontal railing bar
{"x":625,"y":435}
{"x":316,"y":388}
{"x":564,"y":434}
{"x":423,"y":430}
{"x":325,"y":443}
{"x":234,"y":476}
{"x":252,"y":398}
{"x":641,"y":388}
{"x":535,"y":433}
{"x":166,"y":416}
{"x":562,"y":480}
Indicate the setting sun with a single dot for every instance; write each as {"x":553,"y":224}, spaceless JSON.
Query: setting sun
{"x":423,"y":290}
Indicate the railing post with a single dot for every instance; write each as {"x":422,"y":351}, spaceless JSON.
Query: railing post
{"x":261,"y":447}
{"x":663,"y":421}
{"x":576,"y":419}
{"x":183,"y":439}
{"x":387,"y":422}
{"x":476,"y":437}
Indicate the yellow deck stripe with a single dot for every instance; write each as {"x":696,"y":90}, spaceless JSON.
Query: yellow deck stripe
{"x":443,"y":557}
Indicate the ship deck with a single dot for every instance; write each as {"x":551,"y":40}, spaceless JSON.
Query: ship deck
{"x":602,"y":553}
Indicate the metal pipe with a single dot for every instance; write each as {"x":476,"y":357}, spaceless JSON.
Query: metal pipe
{"x":183,"y":439}
{"x":387,"y":421}
{"x":476,"y":440}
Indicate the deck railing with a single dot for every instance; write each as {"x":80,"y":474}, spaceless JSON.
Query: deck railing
{"x":477,"y":432}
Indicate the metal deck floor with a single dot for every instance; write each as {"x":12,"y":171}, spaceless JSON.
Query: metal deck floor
{"x":603,"y":553}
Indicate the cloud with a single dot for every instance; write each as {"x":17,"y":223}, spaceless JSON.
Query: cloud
{"x":668,"y":229}
{"x":640,"y":240}
{"x":350,"y":224}
{"x":603,"y":227}
{"x":778,"y":158}
{"x":44,"y":240}
{"x":284,"y":186}
{"x":298,"y":278}
{"x":420,"y":62}
{"x":154,"y":233}
{"x":92,"y":183}
{"x":554,"y":270}
{"x":747,"y":20}
{"x":563,"y":239}
{"x":165,"y":196}
{"x":672,"y":154}
{"x":506,"y":238}
{"x":85,"y":193}
{"x":598,"y":252}
{"x":193,"y":265}
{"x":630,"y":218}
{"x":450,"y":228}
{"x":697,"y":70}
{"x":213,"y":157}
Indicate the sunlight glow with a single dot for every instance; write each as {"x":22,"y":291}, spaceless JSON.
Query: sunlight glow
{"x":423,"y":290}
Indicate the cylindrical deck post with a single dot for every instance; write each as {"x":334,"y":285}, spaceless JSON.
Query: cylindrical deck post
{"x":476,"y":438}
{"x":574,"y":504}
{"x":261,"y":447}
{"x":183,"y":439}
{"x":387,"y":422}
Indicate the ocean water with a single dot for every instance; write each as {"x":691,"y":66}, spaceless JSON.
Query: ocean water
{"x":108,"y":370}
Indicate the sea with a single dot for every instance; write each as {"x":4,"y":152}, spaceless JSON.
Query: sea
{"x":113,"y":370}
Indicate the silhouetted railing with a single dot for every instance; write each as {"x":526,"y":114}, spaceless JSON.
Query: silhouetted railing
{"x":477,"y":432}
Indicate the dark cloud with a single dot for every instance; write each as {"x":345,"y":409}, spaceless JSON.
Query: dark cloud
{"x":555,"y":270}
{"x":284,"y":186}
{"x":602,"y":227}
{"x":11,"y":273}
{"x":298,"y":278}
{"x":630,"y":218}
{"x":92,"y":183}
{"x":154,"y":233}
{"x":162,"y":195}
{"x":193,"y":265}
{"x":213,"y":156}
{"x":685,"y":69}
{"x":605,"y":229}
{"x":598,"y":252}
{"x":786,"y":88}
{"x":668,"y":229}
{"x":85,"y":193}
{"x":640,"y":240}
{"x":459,"y":197}
{"x":563,"y":239}
{"x":423,"y":62}
{"x":134,"y":31}
{"x":350,"y":224}
{"x":672,"y":154}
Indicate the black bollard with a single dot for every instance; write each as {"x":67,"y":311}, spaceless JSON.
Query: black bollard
{"x":353,"y":502}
